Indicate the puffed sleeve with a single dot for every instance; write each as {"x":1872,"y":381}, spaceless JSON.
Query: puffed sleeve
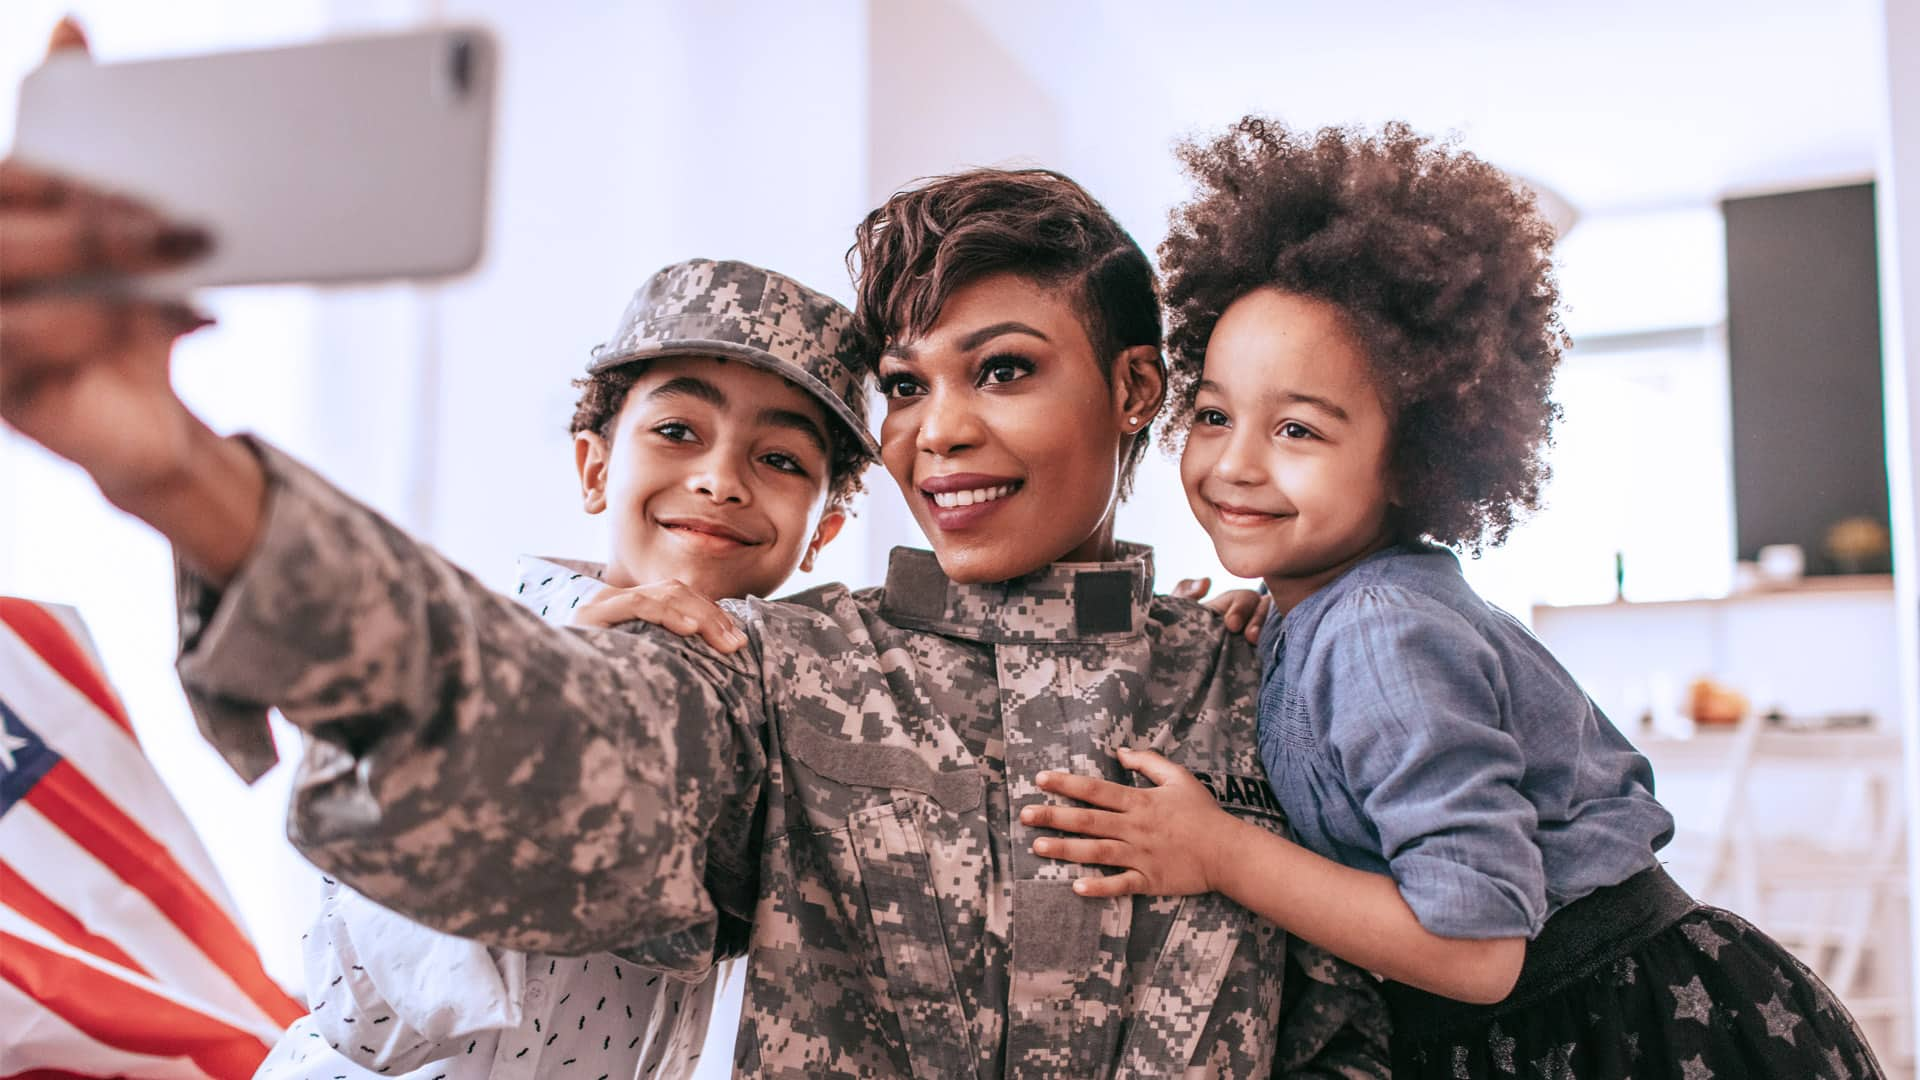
{"x":1413,"y":702}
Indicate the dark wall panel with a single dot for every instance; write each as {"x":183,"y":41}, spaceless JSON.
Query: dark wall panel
{"x":1803,"y":326}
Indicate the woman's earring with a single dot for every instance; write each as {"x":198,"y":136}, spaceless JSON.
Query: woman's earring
{"x":1133,"y":422}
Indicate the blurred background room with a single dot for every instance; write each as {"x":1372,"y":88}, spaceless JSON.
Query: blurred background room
{"x":1737,"y":188}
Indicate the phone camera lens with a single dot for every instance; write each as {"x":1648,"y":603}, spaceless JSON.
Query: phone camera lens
{"x":460,"y":66}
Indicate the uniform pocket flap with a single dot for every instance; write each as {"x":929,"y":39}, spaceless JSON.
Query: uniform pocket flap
{"x":876,"y":765}
{"x":1055,"y":928}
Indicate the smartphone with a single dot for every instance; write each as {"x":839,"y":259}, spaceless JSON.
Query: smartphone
{"x":353,"y":160}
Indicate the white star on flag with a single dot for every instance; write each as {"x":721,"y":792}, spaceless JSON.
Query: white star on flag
{"x":10,"y":742}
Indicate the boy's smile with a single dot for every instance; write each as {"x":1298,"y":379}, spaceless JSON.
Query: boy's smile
{"x":715,"y":474}
{"x":708,"y":534}
{"x":1286,"y":462}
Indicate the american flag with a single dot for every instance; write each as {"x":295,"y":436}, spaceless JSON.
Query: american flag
{"x":120,"y":954}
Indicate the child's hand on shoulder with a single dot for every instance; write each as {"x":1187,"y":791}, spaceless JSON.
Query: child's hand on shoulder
{"x":1168,"y":840}
{"x":669,"y":604}
{"x":1244,"y":610}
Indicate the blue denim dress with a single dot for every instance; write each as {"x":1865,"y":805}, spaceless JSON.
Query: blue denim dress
{"x":1411,"y":729}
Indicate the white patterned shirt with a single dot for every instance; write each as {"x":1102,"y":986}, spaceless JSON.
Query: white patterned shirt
{"x":391,"y":998}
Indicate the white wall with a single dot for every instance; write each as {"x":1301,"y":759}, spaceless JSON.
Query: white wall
{"x":631,"y":136}
{"x":956,"y":84}
{"x":1899,"y":218}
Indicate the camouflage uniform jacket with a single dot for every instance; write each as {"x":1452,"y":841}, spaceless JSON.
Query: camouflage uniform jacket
{"x":849,"y":785}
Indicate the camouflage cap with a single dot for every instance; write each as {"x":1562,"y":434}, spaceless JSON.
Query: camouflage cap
{"x":707,"y":307}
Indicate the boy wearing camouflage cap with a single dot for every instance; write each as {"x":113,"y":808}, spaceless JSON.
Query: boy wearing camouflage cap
{"x":722,"y":428}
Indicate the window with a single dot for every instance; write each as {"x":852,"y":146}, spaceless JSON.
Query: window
{"x":1640,"y":459}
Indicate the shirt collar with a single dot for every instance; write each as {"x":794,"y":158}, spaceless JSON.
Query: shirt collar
{"x":1064,"y":602}
{"x":552,"y":588}
{"x":1273,"y":636}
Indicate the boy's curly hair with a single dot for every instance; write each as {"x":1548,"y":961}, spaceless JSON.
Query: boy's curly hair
{"x":603,"y":393}
{"x":1440,"y":264}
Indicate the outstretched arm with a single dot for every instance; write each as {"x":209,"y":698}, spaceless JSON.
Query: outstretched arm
{"x":1173,"y":839}
{"x":467,"y":765}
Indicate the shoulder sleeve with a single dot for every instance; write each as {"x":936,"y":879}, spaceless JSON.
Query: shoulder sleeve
{"x":393,"y":995}
{"x":466,"y":764}
{"x":1411,"y":700}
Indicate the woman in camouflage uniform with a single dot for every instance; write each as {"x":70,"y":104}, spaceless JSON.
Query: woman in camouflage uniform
{"x":849,"y":784}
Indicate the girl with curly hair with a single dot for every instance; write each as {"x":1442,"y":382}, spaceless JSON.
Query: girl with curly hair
{"x":1363,"y":338}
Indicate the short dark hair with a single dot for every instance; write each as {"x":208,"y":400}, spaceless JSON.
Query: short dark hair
{"x":604,"y":393}
{"x":911,"y":254}
{"x":1441,"y":265}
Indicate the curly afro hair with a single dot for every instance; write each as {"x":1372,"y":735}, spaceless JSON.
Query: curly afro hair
{"x":1440,"y":264}
{"x":603,"y":393}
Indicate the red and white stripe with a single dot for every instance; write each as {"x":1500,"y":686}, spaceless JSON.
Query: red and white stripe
{"x":120,"y":954}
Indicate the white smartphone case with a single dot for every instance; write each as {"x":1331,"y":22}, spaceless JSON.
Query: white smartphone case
{"x":352,"y":160}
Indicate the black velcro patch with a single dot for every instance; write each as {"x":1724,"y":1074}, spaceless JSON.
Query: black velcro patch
{"x":1103,"y":602}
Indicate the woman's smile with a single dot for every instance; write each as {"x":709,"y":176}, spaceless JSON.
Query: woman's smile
{"x":961,"y":500}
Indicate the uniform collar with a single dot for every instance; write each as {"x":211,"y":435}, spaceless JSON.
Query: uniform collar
{"x":1065,"y":602}
{"x":552,"y":588}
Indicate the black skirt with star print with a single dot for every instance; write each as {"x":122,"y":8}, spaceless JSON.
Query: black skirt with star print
{"x":1639,"y":981}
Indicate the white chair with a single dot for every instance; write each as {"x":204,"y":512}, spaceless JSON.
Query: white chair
{"x":1835,"y":892}
{"x":1705,"y":853}
{"x":1804,"y":834}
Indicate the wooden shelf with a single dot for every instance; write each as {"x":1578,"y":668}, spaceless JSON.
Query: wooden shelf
{"x":1828,"y":585}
